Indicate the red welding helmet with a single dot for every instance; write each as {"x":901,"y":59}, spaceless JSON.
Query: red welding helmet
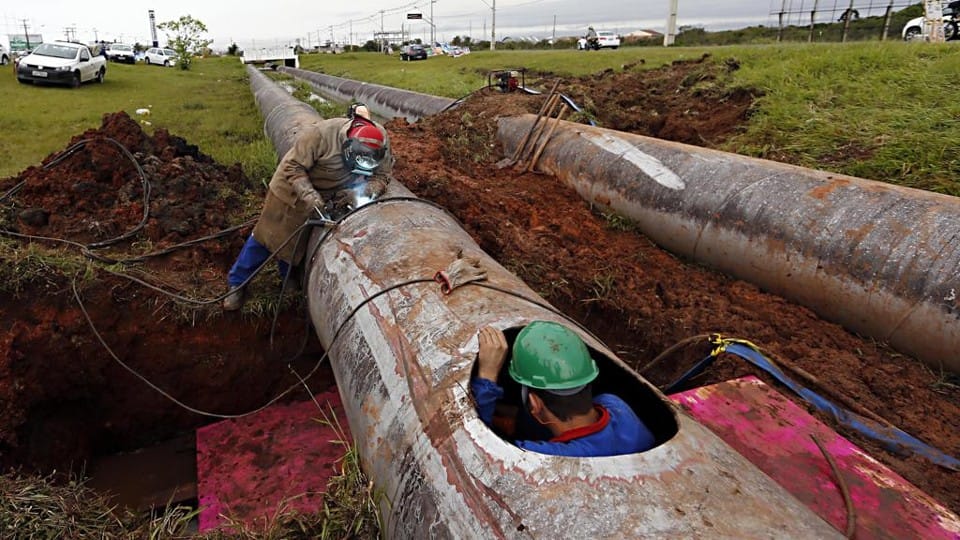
{"x":364,"y":147}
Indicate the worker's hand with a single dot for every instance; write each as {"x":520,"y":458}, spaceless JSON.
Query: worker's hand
{"x":493,"y":352}
{"x":313,"y":199}
{"x":375,"y":188}
{"x":306,"y":192}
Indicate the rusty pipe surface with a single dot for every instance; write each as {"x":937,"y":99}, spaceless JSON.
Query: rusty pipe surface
{"x":402,"y":352}
{"x":384,"y":101}
{"x":882,"y":260}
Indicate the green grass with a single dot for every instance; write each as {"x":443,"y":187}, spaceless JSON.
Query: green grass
{"x":884,"y":111}
{"x":455,"y":77}
{"x":210,"y":105}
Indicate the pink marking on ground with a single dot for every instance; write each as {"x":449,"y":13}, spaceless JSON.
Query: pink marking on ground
{"x":774,"y":434}
{"x":281,"y":458}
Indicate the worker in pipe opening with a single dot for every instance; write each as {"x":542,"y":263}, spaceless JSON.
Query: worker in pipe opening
{"x":326,"y":157}
{"x":554,"y":368}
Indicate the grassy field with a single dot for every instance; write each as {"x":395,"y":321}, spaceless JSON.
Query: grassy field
{"x":210,"y":105}
{"x":879,"y":110}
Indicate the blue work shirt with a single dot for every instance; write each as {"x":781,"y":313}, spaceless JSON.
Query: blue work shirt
{"x":624,"y":432}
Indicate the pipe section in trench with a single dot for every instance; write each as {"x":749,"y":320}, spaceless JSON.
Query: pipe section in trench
{"x":402,"y":353}
{"x":881,"y":260}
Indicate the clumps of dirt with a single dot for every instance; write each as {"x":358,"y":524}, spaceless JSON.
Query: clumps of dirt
{"x":686,"y":101}
{"x":76,"y":329}
{"x":466,"y":132}
{"x":95,"y":190}
{"x":639,"y":299}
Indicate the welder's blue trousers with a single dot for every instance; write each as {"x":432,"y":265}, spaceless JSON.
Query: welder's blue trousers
{"x":251,"y":257}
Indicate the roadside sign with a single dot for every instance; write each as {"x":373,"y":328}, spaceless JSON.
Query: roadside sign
{"x":414,"y":15}
{"x":19,"y":42}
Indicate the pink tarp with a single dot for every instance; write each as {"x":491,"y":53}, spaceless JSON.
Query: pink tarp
{"x":774,"y":433}
{"x":280,"y":458}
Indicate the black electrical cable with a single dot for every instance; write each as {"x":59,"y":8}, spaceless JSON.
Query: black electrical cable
{"x":194,"y":301}
{"x":299,"y":233}
{"x":145,"y":184}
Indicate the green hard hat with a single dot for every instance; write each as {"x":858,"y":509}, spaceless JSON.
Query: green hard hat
{"x":549,"y":356}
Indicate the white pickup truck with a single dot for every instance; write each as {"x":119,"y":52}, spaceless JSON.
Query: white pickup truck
{"x":61,"y":62}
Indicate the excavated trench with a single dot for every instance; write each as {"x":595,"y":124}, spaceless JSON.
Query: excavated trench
{"x":66,"y":401}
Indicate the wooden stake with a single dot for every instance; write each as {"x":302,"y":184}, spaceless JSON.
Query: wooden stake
{"x":543,"y":143}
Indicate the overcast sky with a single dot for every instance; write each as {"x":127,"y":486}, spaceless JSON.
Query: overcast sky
{"x":251,"y":24}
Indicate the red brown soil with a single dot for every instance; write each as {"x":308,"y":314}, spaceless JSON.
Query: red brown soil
{"x":642,"y":300}
{"x":63,"y":399}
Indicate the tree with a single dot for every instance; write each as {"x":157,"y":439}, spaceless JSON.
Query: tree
{"x":234,"y":50}
{"x":187,"y":38}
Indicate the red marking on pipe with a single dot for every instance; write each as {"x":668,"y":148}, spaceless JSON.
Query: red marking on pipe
{"x":774,"y":433}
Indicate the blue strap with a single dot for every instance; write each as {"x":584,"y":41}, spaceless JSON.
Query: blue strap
{"x":891,"y":438}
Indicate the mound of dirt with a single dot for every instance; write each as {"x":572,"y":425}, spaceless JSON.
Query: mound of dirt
{"x":685,"y":102}
{"x":76,"y":330}
{"x":635,"y":296}
{"x":96,"y":189}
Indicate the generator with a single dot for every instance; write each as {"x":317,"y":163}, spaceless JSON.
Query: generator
{"x":507,"y":80}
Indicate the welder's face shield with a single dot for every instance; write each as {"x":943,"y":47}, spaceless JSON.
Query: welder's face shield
{"x":360,"y":158}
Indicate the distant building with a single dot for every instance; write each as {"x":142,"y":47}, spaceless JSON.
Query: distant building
{"x":643,"y":34}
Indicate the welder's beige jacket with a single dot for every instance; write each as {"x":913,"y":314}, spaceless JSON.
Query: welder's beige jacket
{"x":315,"y":154}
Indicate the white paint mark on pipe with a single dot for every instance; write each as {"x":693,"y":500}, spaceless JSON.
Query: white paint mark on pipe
{"x":650,"y":165}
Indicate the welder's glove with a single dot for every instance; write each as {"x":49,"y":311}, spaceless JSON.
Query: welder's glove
{"x":306,"y":192}
{"x":461,"y":271}
{"x":375,"y":187}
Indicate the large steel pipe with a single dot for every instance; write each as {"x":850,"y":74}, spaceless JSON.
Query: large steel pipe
{"x":284,"y":117}
{"x":402,"y":353}
{"x":881,"y":260}
{"x":384,"y":101}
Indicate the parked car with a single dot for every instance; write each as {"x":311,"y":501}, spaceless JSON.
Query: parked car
{"x":605,"y":38}
{"x":413,"y":52}
{"x":4,"y":56}
{"x":914,"y":29}
{"x":61,"y":62}
{"x":120,"y":52}
{"x":160,"y":56}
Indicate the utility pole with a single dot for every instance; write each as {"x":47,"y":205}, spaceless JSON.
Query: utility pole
{"x":813,"y":15}
{"x":351,"y":34}
{"x":553,"y":40}
{"x":886,"y":21}
{"x":433,"y":27}
{"x":26,"y":36}
{"x":493,"y":27}
{"x":933,"y":20}
{"x":382,"y":37}
{"x":671,"y":34}
{"x":153,"y":28}
{"x":783,"y":7}
{"x":846,"y":22}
